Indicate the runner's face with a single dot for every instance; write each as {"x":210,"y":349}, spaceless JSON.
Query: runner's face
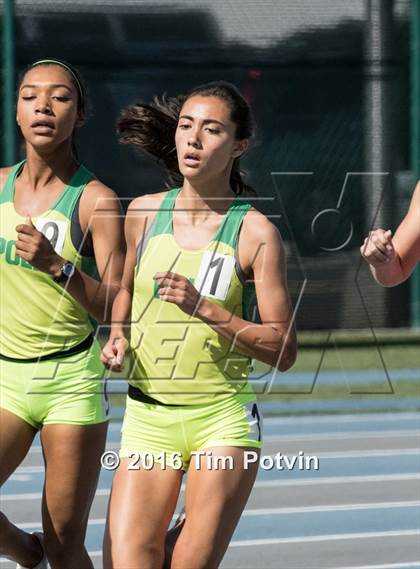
{"x":205,"y":138}
{"x":47,"y":106}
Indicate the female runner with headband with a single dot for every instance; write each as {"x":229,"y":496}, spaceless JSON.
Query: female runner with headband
{"x":58,"y":225}
{"x":194,"y":255}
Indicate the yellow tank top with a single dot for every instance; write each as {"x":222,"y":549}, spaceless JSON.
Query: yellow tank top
{"x":176,"y":358}
{"x":38,"y":317}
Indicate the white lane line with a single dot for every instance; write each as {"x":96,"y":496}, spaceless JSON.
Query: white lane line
{"x":317,"y":538}
{"x":331,"y":537}
{"x":343,"y":435}
{"x":310,"y":437}
{"x":38,"y":524}
{"x":275,"y":541}
{"x":406,"y":565}
{"x":278,"y":511}
{"x":409,"y":565}
{"x":38,"y":495}
{"x":331,"y":508}
{"x":338,"y":480}
{"x":345,"y":418}
{"x":261,"y":484}
{"x":27,"y":470}
{"x":359,"y":453}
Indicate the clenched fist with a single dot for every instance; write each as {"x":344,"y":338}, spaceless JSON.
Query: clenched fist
{"x":35,"y":248}
{"x":378,"y":249}
{"x":113,"y":353}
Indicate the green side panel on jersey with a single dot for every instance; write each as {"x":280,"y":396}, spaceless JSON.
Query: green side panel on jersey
{"x":163,"y":220}
{"x":228,"y":231}
{"x":66,"y":202}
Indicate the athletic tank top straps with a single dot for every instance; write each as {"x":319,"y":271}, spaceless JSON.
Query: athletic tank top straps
{"x":176,"y":358}
{"x":39,"y":317}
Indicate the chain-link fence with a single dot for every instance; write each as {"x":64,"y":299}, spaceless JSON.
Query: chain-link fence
{"x":330,"y":86}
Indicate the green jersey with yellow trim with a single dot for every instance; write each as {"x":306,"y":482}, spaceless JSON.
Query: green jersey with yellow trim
{"x":177,"y":358}
{"x":38,"y":316}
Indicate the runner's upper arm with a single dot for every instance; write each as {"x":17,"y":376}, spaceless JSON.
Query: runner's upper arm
{"x":270,"y":275}
{"x":101,"y":214}
{"x":140,"y":215}
{"x":407,"y":237}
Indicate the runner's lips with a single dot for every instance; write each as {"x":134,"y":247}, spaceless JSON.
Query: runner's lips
{"x":192,"y":156}
{"x":43,"y":123}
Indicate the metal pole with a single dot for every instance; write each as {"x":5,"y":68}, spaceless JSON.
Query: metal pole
{"x":415,"y":141}
{"x":381,"y":130}
{"x":9,"y":139}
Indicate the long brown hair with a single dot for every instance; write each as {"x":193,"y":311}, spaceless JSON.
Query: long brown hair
{"x":152,"y":127}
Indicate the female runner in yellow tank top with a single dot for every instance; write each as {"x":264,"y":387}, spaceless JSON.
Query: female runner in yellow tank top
{"x":57,"y":223}
{"x":190,"y":340}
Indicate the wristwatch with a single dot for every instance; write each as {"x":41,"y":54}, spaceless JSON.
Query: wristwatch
{"x":67,"y":271}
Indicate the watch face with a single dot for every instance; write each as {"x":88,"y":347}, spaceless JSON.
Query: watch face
{"x":68,"y":270}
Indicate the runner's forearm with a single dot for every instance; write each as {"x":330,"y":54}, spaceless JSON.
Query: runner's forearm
{"x":260,"y":341}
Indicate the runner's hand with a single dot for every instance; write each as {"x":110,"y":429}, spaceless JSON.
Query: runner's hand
{"x":113,"y":353}
{"x":377,"y":248}
{"x":177,"y":289}
{"x":34,"y":247}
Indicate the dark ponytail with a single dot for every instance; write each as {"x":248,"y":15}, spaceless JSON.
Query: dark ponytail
{"x":152,"y":127}
{"x":237,"y":183}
